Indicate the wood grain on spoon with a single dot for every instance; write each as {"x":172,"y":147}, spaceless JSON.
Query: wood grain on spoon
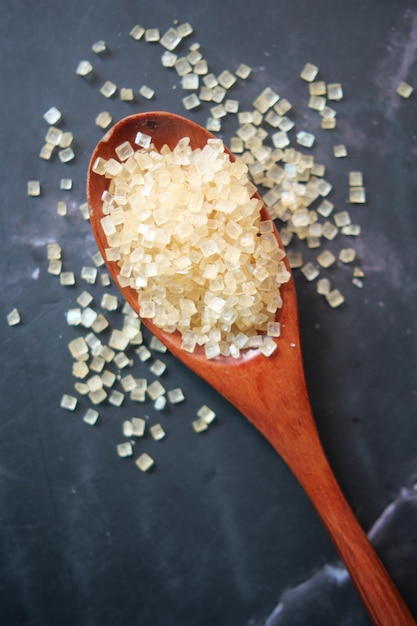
{"x":270,"y":392}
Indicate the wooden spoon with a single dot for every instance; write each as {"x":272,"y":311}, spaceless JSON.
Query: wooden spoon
{"x":270,"y":392}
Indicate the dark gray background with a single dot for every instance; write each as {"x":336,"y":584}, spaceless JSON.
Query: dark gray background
{"x":220,"y":533}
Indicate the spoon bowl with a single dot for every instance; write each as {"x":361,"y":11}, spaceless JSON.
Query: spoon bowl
{"x":270,"y":392}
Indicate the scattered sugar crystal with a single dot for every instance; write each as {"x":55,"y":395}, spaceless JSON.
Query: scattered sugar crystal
{"x":218,"y":111}
{"x":353,"y":230}
{"x":335,"y":298}
{"x":328,"y":123}
{"x":116,"y":398}
{"x":347,"y":255}
{"x":152,"y":34}
{"x":190,"y":81}
{"x":357,"y":195}
{"x":266,"y":99}
{"x":282,"y":107}
{"x":295,"y":259}
{"x":206,"y":414}
{"x":199,"y":425}
{"x":94,"y":383}
{"x":33,"y":188}
{"x":201,"y":67}
{"x":340,"y":151}
{"x":66,"y":155}
{"x":97,"y":259}
{"x":158,"y":368}
{"x":170,"y":39}
{"x":310,"y":271}
{"x":52,"y":116}
{"x":144,"y":462}
{"x":124,"y":449}
{"x":317,"y":88}
{"x":243,"y":71}
{"x":54,"y":250}
{"x":146,"y":92}
{"x":81,"y":388}
{"x":108,"y":89}
{"x":105,"y":279}
{"x":78,"y":348}
{"x":13,"y":318}
{"x":118,"y":340}
{"x":88,"y":317}
{"x":85,"y":298}
{"x":126,"y":94}
{"x":191,"y":102}
{"x":68,"y":402}
{"x":73,"y":317}
{"x":84,"y":68}
{"x":213,"y":125}
{"x":323,"y":286}
{"x":157,"y":432}
{"x":103,"y":119}
{"x":137,"y":395}
{"x":226,"y":79}
{"x":160,"y":403}
{"x":329,"y":230}
{"x":176,"y":395}
{"x":155,"y":390}
{"x":342,"y":218}
{"x":194,"y":56}
{"x":280,"y":139}
{"x":84,"y":210}
{"x":305,"y":139}
{"x":128,"y":382}
{"x":137,"y":32}
{"x":127,"y":428}
{"x":108,"y":378}
{"x":66,"y":139}
{"x":66,"y":184}
{"x":325,"y":208}
{"x":46,"y":151}
{"x":143,"y":353}
{"x":90,"y":417}
{"x":89,"y":274}
{"x":334,"y":91}
{"x":357,"y":282}
{"x":309,"y":72}
{"x":185,"y":29}
{"x":183,"y":66}
{"x":98,"y":396}
{"x":97,"y":364}
{"x":138,"y":426}
{"x":67,"y":279}
{"x":317,"y":103}
{"x":326,"y":258}
{"x":323,"y":187}
{"x":404,"y":90}
{"x":156,"y":344}
{"x":99,"y":47}
{"x":358,"y":272}
{"x":168,"y":59}
{"x":109,"y":302}
{"x":53,"y":136}
{"x":355,"y":179}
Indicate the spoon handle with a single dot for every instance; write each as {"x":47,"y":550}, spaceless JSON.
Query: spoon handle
{"x":302,"y":450}
{"x":374,"y":585}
